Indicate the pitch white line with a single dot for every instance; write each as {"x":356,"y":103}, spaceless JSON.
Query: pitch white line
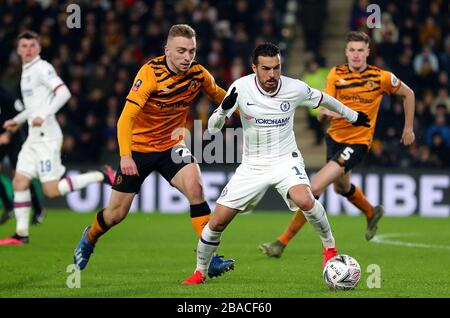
{"x":384,"y":239}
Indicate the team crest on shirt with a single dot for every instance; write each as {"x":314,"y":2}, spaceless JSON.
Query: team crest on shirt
{"x":369,"y":84}
{"x":285,"y":106}
{"x":137,"y":85}
{"x":193,"y":85}
{"x":394,"y":80}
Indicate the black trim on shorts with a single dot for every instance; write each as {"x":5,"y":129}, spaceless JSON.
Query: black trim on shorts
{"x":346,"y":155}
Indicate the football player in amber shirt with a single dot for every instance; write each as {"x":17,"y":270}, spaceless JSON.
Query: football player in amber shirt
{"x":361,"y":87}
{"x":149,"y":139}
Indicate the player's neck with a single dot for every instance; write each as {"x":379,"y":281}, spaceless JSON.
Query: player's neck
{"x":265,"y":90}
{"x":359,"y":69}
{"x":28,"y":62}
{"x":171,"y":67}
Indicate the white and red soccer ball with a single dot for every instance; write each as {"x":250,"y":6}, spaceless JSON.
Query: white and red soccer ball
{"x":342,"y":272}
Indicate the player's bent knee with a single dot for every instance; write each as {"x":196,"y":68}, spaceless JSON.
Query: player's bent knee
{"x":306,"y":204}
{"x":217,"y":225}
{"x":50,"y":189}
{"x":339,"y":189}
{"x":50,"y":193}
{"x":194,"y":192}
{"x":21,"y":183}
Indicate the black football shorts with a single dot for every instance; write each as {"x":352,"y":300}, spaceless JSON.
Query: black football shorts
{"x":346,"y":155}
{"x":167,"y":163}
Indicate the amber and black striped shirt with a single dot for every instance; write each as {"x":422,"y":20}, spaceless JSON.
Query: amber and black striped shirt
{"x":165,"y":98}
{"x":361,"y":91}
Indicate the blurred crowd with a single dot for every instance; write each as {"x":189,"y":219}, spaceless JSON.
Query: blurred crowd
{"x":414,"y":43}
{"x":99,"y":61}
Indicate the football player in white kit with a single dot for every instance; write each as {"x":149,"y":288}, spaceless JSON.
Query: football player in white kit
{"x":267,"y":102}
{"x":44,"y":93}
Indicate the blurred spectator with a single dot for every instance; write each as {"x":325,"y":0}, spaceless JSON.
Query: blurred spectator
{"x":316,"y":77}
{"x":430,"y":33}
{"x":235,"y":70}
{"x":386,"y":38}
{"x":359,"y":15}
{"x":440,"y":126}
{"x":426,"y":57}
{"x":312,"y":11}
{"x":440,"y":150}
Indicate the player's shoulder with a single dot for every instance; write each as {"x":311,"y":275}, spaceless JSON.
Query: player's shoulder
{"x":244,"y":82}
{"x":44,"y":68}
{"x":157,"y":61}
{"x":153,"y":65}
{"x":43,"y":65}
{"x":291,"y":83}
{"x":341,"y":69}
{"x":375,"y":69}
{"x":290,"y":80}
{"x":196,"y":66}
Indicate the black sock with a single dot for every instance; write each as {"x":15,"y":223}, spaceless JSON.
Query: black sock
{"x":35,"y":201}
{"x":7,"y":202}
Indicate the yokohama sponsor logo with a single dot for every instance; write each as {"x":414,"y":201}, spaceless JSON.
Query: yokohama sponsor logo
{"x":272,"y":122}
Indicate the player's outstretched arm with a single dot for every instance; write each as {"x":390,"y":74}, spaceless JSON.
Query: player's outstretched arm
{"x":356,"y":118}
{"x":407,"y":93}
{"x":217,"y":119}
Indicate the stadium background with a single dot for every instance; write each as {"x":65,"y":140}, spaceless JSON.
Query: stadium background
{"x":99,"y":60}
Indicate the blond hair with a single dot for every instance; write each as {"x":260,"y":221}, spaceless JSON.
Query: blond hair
{"x":182,"y":30}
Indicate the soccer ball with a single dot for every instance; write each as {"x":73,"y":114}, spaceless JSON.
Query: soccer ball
{"x":342,"y":272}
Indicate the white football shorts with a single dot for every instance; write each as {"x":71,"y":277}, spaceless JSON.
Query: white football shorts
{"x":41,"y":160}
{"x":250,"y":182}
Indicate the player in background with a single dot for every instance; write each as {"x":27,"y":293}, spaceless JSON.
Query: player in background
{"x":44,"y":93}
{"x":10,"y":145}
{"x":155,"y":109}
{"x":360,"y":86}
{"x":267,"y":102}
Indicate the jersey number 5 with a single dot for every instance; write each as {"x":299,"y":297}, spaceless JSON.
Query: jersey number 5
{"x":347,"y":153}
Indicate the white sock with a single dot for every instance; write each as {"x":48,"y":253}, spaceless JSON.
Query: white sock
{"x":22,"y":208}
{"x":207,"y":245}
{"x":74,"y":183}
{"x":317,"y":217}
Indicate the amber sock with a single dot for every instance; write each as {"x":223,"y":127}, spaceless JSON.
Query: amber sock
{"x":297,"y":222}
{"x":200,"y":214}
{"x":98,"y":228}
{"x":357,"y":197}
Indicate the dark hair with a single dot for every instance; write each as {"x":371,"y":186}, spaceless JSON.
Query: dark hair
{"x":28,"y":35}
{"x":358,"y":36}
{"x":265,"y":49}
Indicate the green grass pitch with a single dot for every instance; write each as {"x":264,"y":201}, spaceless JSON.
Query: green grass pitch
{"x":148,"y":255}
